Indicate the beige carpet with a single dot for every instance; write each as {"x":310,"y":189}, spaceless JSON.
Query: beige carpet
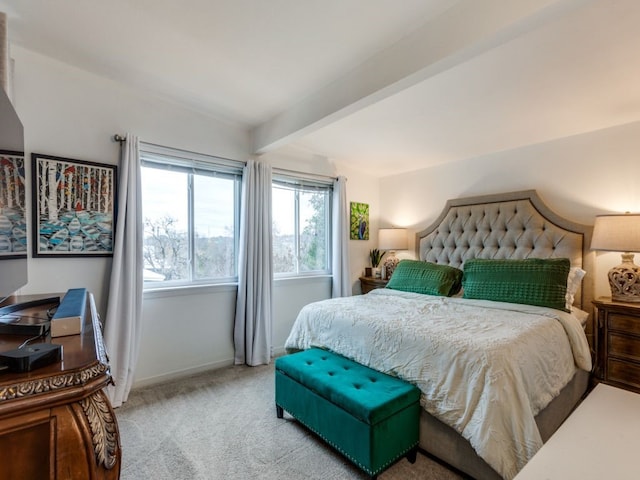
{"x":223,"y":425}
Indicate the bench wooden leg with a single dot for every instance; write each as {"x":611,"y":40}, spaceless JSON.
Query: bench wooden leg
{"x":412,"y":455}
{"x":279,"y":411}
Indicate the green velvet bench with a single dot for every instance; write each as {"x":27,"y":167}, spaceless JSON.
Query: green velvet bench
{"x":370,"y":417}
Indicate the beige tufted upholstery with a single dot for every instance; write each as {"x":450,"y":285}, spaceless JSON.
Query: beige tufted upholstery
{"x":511,"y":225}
{"x":499,"y":230}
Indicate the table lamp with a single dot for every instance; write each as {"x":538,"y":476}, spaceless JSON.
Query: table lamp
{"x":392,"y":239}
{"x":620,"y":233}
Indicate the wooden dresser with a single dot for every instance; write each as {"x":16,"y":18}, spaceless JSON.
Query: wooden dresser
{"x":618,"y":343}
{"x":55,"y":421}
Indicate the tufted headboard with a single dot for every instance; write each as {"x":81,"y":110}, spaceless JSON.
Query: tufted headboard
{"x":509,"y":225}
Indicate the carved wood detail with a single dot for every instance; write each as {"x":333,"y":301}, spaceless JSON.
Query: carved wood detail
{"x":104,"y":430}
{"x":50,"y":384}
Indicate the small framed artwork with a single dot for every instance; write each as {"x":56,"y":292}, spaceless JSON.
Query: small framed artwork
{"x":359,"y":221}
{"x":13,"y":219}
{"x":74,"y":207}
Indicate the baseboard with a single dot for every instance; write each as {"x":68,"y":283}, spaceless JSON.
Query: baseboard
{"x":278,"y":352}
{"x":177,"y":374}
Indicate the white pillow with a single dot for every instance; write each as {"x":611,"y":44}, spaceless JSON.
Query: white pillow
{"x":574,"y":280}
{"x":580,"y":315}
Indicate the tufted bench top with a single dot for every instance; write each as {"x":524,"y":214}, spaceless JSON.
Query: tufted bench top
{"x":367,"y":394}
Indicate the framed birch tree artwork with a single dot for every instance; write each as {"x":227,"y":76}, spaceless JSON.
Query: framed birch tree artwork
{"x":13,"y":220}
{"x":74,"y":207}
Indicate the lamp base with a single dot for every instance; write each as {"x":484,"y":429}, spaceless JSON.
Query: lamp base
{"x":625,"y":280}
{"x":390,"y":265}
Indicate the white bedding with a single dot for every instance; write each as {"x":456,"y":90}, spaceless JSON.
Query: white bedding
{"x":484,"y":368}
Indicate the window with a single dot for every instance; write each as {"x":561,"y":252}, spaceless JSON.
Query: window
{"x":190,"y":206}
{"x":301,"y":226}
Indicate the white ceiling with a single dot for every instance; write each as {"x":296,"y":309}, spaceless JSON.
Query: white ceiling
{"x":388,"y":86}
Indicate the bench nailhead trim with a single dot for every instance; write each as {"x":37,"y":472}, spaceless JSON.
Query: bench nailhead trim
{"x":337,"y":447}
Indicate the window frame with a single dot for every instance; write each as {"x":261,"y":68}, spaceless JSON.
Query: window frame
{"x":301,"y":183}
{"x":191,"y":163}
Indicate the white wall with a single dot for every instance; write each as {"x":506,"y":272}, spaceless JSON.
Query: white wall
{"x":362,"y":188}
{"x":70,"y":113}
{"x":578,"y":177}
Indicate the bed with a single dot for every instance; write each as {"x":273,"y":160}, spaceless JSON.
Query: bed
{"x":497,"y":378}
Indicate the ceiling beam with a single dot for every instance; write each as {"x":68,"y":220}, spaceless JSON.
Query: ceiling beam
{"x":466,"y":30}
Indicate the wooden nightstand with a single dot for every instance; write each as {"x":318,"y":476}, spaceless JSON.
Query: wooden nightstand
{"x":618,"y":343}
{"x":369,"y":283}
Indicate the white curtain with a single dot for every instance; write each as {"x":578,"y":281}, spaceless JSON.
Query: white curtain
{"x":124,"y":307}
{"x":341,"y":286}
{"x":252,"y":329}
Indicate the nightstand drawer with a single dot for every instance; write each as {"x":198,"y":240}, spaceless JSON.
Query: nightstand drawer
{"x":623,"y":372}
{"x":369,"y":283}
{"x":625,"y":323}
{"x":618,"y":343}
{"x":624,"y":346}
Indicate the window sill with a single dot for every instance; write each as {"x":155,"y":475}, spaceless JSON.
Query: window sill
{"x":182,"y":290}
{"x":301,"y":278}
{"x":173,"y":291}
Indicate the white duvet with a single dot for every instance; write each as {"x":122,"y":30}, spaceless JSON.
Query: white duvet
{"x":484,"y":368}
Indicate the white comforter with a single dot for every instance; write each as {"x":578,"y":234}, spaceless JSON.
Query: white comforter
{"x":484,"y":368}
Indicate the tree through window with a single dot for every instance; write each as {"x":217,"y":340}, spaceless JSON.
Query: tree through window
{"x":190,"y":210}
{"x":301,"y":226}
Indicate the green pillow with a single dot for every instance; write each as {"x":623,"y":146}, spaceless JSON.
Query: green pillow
{"x":425,"y":277}
{"x":534,"y":281}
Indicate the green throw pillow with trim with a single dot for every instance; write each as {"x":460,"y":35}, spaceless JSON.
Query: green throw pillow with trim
{"x":426,"y":277}
{"x":532,"y":281}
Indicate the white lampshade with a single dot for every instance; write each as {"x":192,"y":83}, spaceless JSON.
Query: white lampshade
{"x":620,"y":233}
{"x":392,"y":239}
{"x":617,"y":233}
